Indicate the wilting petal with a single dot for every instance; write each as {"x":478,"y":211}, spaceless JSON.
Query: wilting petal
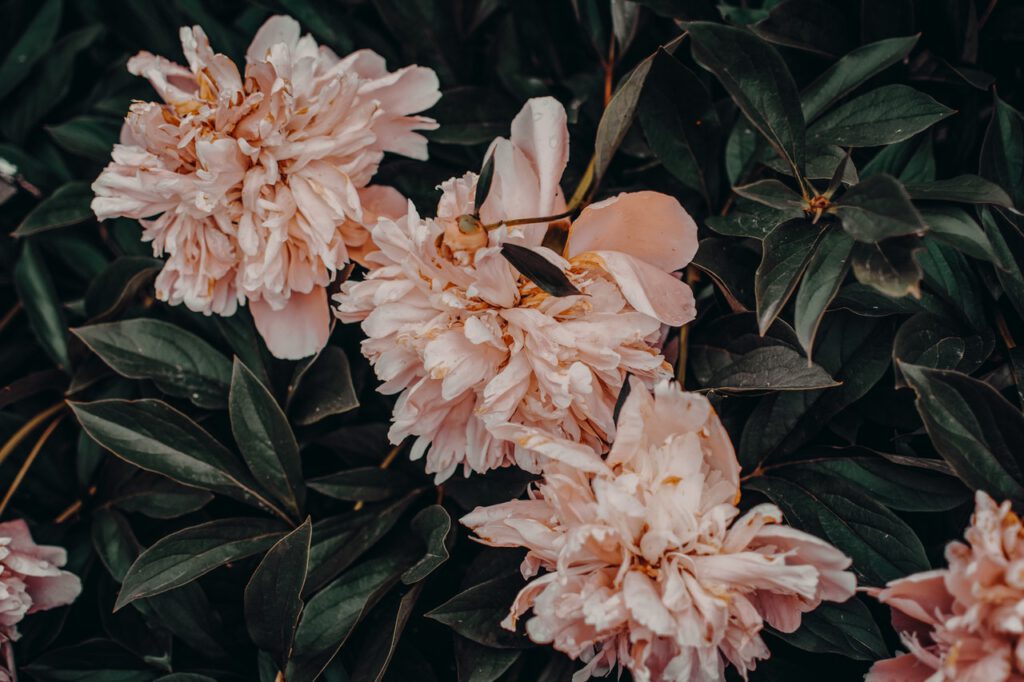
{"x":297,"y":330}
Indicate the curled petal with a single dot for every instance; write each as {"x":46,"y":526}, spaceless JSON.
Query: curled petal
{"x":297,"y":330}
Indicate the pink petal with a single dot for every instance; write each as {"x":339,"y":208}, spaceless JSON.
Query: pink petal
{"x":649,"y":289}
{"x":541,"y":131}
{"x":651,"y":226}
{"x":905,"y":668}
{"x":298,"y":330}
{"x":276,"y":29}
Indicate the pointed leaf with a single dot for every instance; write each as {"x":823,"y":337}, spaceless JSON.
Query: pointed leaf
{"x":758,"y":80}
{"x":787,"y":249}
{"x":772,"y":193}
{"x":273,"y":596}
{"x":539,"y":270}
{"x":434,"y":526}
{"x":188,"y":554}
{"x":265,"y":439}
{"x":977,"y":431}
{"x":176,"y":360}
{"x":825,"y":273}
{"x":879,"y":208}
{"x":38,"y":297}
{"x":891,"y":113}
{"x":68,"y":205}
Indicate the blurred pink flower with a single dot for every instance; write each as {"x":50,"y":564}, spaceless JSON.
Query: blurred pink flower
{"x":31,"y":580}
{"x":647,"y":563}
{"x":255,"y":186}
{"x":965,"y":622}
{"x":478,"y":351}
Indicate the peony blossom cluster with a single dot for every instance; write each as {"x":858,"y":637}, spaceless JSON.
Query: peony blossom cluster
{"x":481,"y":356}
{"x":964,"y":622}
{"x":642,"y":559}
{"x":255,"y":185}
{"x":31,"y":580}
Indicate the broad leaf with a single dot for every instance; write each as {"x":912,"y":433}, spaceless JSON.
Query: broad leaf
{"x":879,"y":208}
{"x":33,"y":43}
{"x":38,"y":296}
{"x":966,"y":189}
{"x":846,"y":629}
{"x":975,"y":429}
{"x":88,"y":136}
{"x":188,"y":554}
{"x":940,"y":343}
{"x":770,"y":193}
{"x":812,"y":25}
{"x":889,"y":266}
{"x":956,"y":227}
{"x":434,"y":526}
{"x":154,"y":436}
{"x":825,"y":273}
{"x":892,"y":113}
{"x":176,"y":360}
{"x":322,"y":388}
{"x":476,"y":613}
{"x":265,"y":439}
{"x":273,"y":596}
{"x":68,"y":205}
{"x":852,"y":70}
{"x":758,"y":80}
{"x":332,"y":613}
{"x":787,"y":249}
{"x":370,"y":484}
{"x":1002,"y":151}
{"x":883,"y":547}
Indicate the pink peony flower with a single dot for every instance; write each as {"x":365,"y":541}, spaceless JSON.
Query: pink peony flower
{"x":477,"y":351}
{"x":965,"y":622}
{"x":31,"y":580}
{"x":645,"y":561}
{"x":255,"y":185}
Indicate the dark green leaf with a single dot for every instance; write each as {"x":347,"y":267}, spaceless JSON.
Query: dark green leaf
{"x":774,"y":367}
{"x":854,"y":351}
{"x":883,"y":547}
{"x":903,"y":483}
{"x":967,"y":189}
{"x":1008,"y":271}
{"x":322,"y":388}
{"x":912,"y":160}
{"x":265,"y":439}
{"x":434,"y":526}
{"x":539,"y":270}
{"x":770,"y":193}
{"x":176,"y":360}
{"x":370,"y":484}
{"x":750,"y":219}
{"x":825,"y":273}
{"x":161,"y":498}
{"x":94,"y":660}
{"x":889,"y":266}
{"x":679,"y":121}
{"x":846,"y":629}
{"x":118,"y":284}
{"x":273,"y":596}
{"x":730,"y":265}
{"x":330,"y":616}
{"x":618,"y":116}
{"x":154,"y":436}
{"x":33,"y":43}
{"x":188,"y":554}
{"x":852,"y":70}
{"x":39,"y":299}
{"x":977,"y":431}
{"x":476,"y":613}
{"x":1002,"y":151}
{"x":114,"y":542}
{"x":956,"y":227}
{"x":68,"y":205}
{"x":787,"y":249}
{"x":879,"y":208}
{"x":891,"y":113}
{"x":937,"y":342}
{"x":477,"y":663}
{"x":88,"y":136}
{"x":811,"y":25}
{"x":758,"y":80}
{"x":386,"y":624}
{"x":483,"y":184}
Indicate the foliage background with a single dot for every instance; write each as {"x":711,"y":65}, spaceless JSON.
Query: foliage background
{"x":912,"y":401}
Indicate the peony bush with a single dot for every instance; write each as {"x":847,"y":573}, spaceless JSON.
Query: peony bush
{"x":653,"y":340}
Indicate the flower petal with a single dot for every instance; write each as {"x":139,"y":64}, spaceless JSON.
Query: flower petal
{"x":649,"y":289}
{"x":298,"y":330}
{"x":651,"y":226}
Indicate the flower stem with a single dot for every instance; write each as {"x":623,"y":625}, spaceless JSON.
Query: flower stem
{"x":28,"y":462}
{"x":27,"y":428}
